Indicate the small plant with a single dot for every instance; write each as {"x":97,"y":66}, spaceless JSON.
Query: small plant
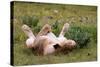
{"x":56,"y":28}
{"x":37,"y":29}
{"x":31,"y":21}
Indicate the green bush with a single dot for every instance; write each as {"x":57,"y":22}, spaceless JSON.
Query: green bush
{"x":36,"y":29}
{"x":56,"y":27}
{"x":81,"y":36}
{"x":31,"y":21}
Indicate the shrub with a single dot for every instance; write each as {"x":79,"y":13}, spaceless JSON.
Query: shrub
{"x":81,"y":36}
{"x":31,"y":21}
{"x":37,"y":29}
{"x":56,"y":28}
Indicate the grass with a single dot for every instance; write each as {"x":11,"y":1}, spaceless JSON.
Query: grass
{"x":24,"y":56}
{"x":83,"y":17}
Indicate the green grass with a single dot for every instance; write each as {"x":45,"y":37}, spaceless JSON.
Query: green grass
{"x":25,"y":56}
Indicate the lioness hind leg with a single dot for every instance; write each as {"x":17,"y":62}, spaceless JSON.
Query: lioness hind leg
{"x":45,"y":30}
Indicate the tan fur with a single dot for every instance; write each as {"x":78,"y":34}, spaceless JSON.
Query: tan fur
{"x":64,"y":29}
{"x":46,"y":29}
{"x":41,"y":43}
{"x":42,"y":40}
